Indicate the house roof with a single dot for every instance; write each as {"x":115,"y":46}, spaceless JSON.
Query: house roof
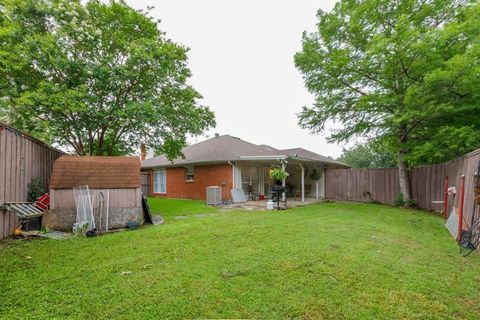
{"x":228,"y":148}
{"x":304,"y":153}
{"x":96,"y":172}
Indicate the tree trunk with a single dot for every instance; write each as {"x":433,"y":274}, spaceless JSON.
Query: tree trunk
{"x":404,"y":178}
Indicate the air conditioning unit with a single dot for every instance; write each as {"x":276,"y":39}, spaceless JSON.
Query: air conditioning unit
{"x":214,"y":195}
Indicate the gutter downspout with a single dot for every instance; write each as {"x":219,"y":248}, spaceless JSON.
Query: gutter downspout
{"x":233,"y":173}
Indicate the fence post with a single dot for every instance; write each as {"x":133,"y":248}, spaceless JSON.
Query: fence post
{"x":445,"y":199}
{"x":460,"y":207}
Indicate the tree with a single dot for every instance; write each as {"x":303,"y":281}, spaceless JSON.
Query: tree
{"x":99,"y":78}
{"x":398,"y":72}
{"x":368,"y":155}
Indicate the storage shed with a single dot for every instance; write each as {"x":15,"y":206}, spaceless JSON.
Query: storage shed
{"x":120,"y":176}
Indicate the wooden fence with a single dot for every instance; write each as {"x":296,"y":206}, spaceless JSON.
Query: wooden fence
{"x":427,"y":183}
{"x":22,"y":158}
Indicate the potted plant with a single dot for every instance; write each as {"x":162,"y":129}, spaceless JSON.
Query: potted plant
{"x":278,"y":174}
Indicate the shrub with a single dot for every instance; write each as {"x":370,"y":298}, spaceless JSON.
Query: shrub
{"x":35,"y":189}
{"x":399,"y":201}
{"x":411,"y":203}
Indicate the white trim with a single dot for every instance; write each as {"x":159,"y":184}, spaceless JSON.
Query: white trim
{"x":303,"y":182}
{"x":284,"y":165}
{"x":263,"y":157}
{"x":159,"y":182}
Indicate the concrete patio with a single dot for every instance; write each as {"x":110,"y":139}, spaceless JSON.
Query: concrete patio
{"x":262,"y":204}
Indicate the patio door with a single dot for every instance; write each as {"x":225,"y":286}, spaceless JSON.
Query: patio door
{"x":250,"y":179}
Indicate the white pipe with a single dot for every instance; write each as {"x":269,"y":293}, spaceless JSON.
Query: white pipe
{"x":303,"y":182}
{"x":283,"y":181}
{"x":108,"y":201}
{"x":91,"y":208}
{"x":233,"y":174}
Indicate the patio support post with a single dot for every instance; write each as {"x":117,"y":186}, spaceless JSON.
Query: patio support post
{"x":283,"y":181}
{"x":316,"y":189}
{"x":303,"y":183}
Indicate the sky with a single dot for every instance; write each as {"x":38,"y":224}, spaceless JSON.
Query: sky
{"x":241,"y":57}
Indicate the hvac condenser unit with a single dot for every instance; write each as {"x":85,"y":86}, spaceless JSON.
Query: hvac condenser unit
{"x":214,"y":195}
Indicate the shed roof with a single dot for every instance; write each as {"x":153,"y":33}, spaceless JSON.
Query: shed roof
{"x":228,"y":148}
{"x":96,"y":172}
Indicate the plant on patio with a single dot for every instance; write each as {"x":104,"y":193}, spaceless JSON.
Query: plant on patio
{"x":278,"y":174}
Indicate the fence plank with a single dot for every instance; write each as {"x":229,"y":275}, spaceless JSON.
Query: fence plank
{"x":426,"y":182}
{"x":21,"y":159}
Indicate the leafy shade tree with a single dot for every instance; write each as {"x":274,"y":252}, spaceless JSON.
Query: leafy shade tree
{"x":367,"y":155}
{"x":404,"y":73}
{"x":98,"y":77}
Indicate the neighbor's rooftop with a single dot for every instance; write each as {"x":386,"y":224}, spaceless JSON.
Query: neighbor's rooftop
{"x":228,"y":148}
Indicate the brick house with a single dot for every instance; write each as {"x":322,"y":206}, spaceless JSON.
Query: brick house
{"x":232,"y":163}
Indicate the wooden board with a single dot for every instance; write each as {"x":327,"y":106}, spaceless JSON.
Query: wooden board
{"x":22,"y":158}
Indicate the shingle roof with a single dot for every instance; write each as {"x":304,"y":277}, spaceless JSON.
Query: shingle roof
{"x":227,"y":148}
{"x":218,"y":149}
{"x":96,"y":172}
{"x":304,"y":153}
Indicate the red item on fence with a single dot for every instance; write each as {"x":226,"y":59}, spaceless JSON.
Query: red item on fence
{"x":43,"y":202}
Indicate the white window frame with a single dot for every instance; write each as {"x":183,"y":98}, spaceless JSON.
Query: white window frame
{"x":189,"y":172}
{"x":158,"y":183}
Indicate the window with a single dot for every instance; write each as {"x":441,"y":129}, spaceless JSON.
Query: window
{"x":160,"y":181}
{"x":189,"y":174}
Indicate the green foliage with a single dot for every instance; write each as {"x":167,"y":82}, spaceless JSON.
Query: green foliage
{"x":96,"y":77}
{"x":35,"y":189}
{"x":278,"y":174}
{"x":411,"y":203}
{"x":401,"y":72}
{"x":448,"y":143}
{"x":316,"y":174}
{"x":399,"y":200}
{"x":323,"y":261}
{"x":367,"y":155}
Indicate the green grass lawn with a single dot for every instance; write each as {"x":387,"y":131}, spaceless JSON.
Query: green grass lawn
{"x":170,"y":208}
{"x":329,"y":260}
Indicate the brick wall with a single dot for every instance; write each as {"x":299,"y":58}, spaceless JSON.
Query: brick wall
{"x":204,"y":176}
